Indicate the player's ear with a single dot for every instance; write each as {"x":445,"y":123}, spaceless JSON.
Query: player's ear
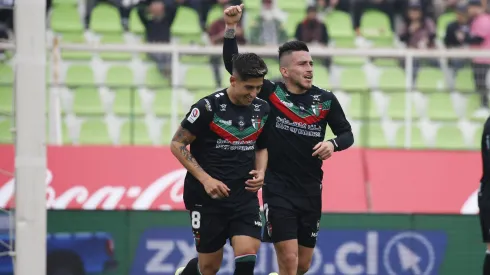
{"x":232,"y":80}
{"x":284,"y":71}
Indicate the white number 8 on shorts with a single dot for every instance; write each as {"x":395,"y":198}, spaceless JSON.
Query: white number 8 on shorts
{"x":195,"y":219}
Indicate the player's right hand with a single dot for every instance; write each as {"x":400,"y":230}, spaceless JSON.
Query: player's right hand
{"x":216,"y":189}
{"x":233,"y":14}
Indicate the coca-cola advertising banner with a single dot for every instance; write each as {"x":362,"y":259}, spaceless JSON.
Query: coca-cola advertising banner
{"x":355,"y":180}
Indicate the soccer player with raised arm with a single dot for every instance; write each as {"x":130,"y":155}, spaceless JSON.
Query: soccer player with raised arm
{"x":300,"y":113}
{"x":225,"y":169}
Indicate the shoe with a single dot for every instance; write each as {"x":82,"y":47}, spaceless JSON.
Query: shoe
{"x":179,"y":270}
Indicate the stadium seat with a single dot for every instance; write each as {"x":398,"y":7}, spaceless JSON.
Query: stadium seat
{"x":199,"y":75}
{"x":321,"y":76}
{"x":392,"y":79}
{"x":216,"y":13}
{"x":78,"y":74}
{"x":348,"y":74}
{"x":430,"y":79}
{"x":416,"y":139}
{"x":6,"y":99}
{"x":87,"y":101}
{"x":66,"y":19}
{"x":94,"y":131}
{"x":6,"y":135}
{"x":105,"y":19}
{"x":440,"y":106}
{"x":253,"y":5}
{"x":339,"y":25}
{"x":294,"y":18}
{"x":375,"y":25}
{"x":162,"y":102}
{"x":6,"y":74}
{"x":465,"y":81}
{"x":296,"y":5}
{"x":359,"y":101}
{"x":135,"y":24}
{"x":443,"y":21}
{"x":472,"y":103}
{"x":186,"y":22}
{"x":119,"y":76}
{"x":154,"y":78}
{"x":127,"y":102}
{"x":135,"y":133}
{"x":450,"y":137}
{"x":398,"y":105}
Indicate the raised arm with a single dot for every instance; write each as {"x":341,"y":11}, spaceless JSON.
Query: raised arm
{"x":231,"y":16}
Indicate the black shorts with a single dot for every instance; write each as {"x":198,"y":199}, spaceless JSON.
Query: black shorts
{"x":211,"y":229}
{"x":290,"y":218}
{"x":484,"y":216}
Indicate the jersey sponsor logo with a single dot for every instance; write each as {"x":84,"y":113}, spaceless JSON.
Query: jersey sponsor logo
{"x":208,"y":106}
{"x":257,"y":107}
{"x":222,"y":107}
{"x":233,"y":133}
{"x":194,"y":115}
{"x":225,"y":122}
{"x":299,"y":113}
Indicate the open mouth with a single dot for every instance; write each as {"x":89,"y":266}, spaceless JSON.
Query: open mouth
{"x":308,"y":77}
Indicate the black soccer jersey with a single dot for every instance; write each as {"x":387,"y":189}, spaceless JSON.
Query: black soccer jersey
{"x":227,"y":136}
{"x":296,"y":124}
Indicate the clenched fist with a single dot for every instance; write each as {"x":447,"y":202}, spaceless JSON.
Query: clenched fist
{"x":233,"y":14}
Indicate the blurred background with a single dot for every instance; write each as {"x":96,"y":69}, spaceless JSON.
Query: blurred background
{"x":121,"y":74}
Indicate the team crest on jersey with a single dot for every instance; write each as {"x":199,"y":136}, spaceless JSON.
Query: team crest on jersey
{"x":197,"y":238}
{"x":256,"y":122}
{"x":241,"y":123}
{"x":317,"y":108}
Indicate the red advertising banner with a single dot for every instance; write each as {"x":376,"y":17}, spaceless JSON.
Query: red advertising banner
{"x":356,"y":180}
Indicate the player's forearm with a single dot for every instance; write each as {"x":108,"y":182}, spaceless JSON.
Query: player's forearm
{"x":343,"y":141}
{"x":230,"y":47}
{"x":179,"y":150}
{"x":261,"y":159}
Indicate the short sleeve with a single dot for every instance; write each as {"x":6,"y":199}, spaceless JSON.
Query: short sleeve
{"x":198,"y":118}
{"x":263,"y":137}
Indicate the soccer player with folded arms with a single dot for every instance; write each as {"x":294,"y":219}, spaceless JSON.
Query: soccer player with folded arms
{"x":225,"y":169}
{"x":300,"y":113}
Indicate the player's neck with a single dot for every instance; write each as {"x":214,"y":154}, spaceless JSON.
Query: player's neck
{"x":294,"y":89}
{"x":233,"y":100}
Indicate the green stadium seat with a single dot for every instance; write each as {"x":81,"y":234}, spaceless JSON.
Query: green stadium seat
{"x":87,"y":101}
{"x":66,"y":19}
{"x":6,"y":136}
{"x":215,"y":13}
{"x":375,"y":24}
{"x":347,"y":43}
{"x":450,"y":137}
{"x":443,"y":21}
{"x":6,"y":74}
{"x":135,"y":24}
{"x":253,"y":5}
{"x":372,"y":135}
{"x":162,"y":103}
{"x":472,"y":104}
{"x":339,"y":25}
{"x":416,"y":139}
{"x":199,"y":75}
{"x":465,"y":81}
{"x":154,"y":78}
{"x":348,"y":74}
{"x":114,"y":38}
{"x":321,"y":76}
{"x":119,"y":76}
{"x":477,"y":138}
{"x":57,"y":3}
{"x":294,"y":18}
{"x":392,"y":79}
{"x":359,"y":101}
{"x":6,"y":99}
{"x":441,"y":107}
{"x":79,"y":75}
{"x":105,"y":19}
{"x":167,"y":133}
{"x":127,"y":102}
{"x":397,"y":106}
{"x":186,"y":22}
{"x":430,"y":80}
{"x":135,"y":133}
{"x":296,"y":5}
{"x":94,"y":131}
{"x":76,"y":55}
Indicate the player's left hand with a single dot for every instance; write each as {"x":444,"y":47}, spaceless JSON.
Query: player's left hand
{"x":257,"y":182}
{"x":323,"y":150}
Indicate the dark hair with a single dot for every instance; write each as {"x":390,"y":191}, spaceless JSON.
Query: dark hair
{"x":292,"y":46}
{"x":249,"y":65}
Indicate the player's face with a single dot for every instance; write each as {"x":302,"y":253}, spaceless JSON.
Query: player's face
{"x":299,"y":69}
{"x":245,"y":91}
{"x":473,"y":10}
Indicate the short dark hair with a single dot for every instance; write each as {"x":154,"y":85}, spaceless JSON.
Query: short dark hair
{"x":292,"y":46}
{"x":249,"y":65}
